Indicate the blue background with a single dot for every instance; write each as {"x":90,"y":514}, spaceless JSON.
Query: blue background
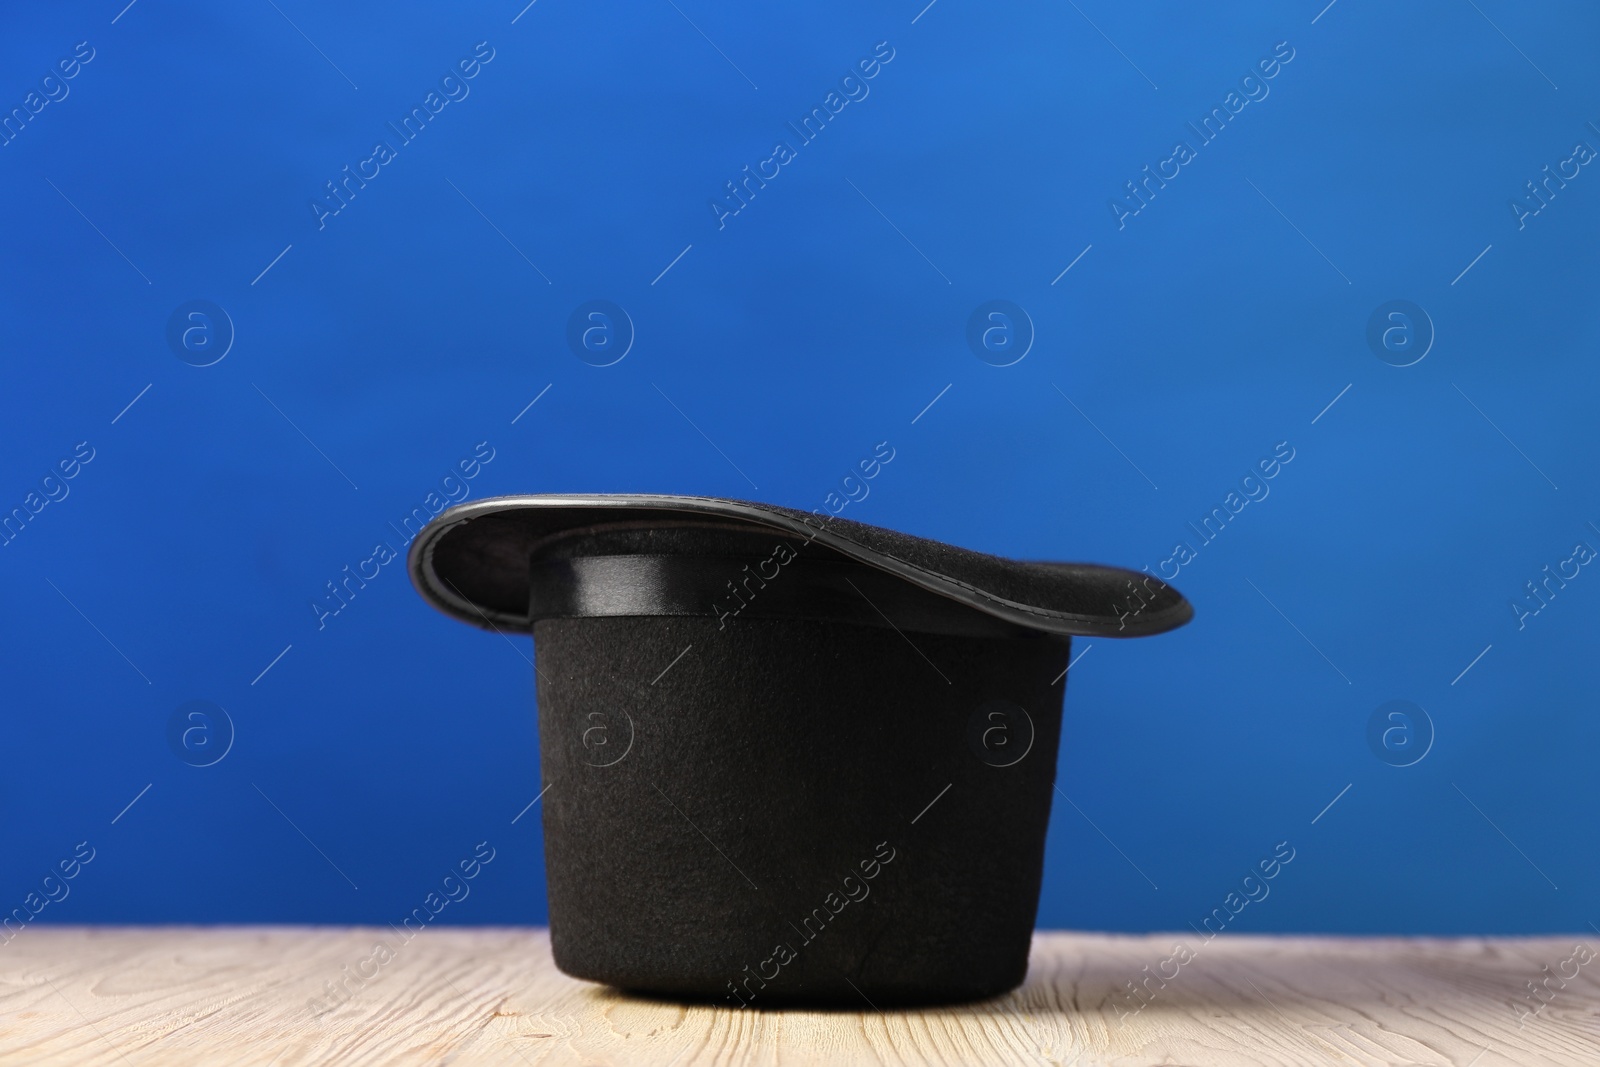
{"x":1223,"y":318}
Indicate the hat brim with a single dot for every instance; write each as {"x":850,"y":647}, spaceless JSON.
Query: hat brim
{"x":472,"y":563}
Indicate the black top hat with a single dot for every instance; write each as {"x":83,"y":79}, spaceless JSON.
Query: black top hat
{"x":791,"y":758}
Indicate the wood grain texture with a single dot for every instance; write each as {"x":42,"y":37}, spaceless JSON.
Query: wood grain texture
{"x":175,"y":996}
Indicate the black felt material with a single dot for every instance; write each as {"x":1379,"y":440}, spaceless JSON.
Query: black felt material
{"x":472,"y":562}
{"x":790,"y":759}
{"x":760,"y":771}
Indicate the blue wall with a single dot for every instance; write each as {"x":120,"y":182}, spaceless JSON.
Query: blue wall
{"x":371,"y":344}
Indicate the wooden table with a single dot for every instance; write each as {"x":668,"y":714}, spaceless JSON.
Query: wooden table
{"x":260,"y":995}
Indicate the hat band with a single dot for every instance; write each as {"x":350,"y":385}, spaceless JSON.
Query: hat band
{"x":733,"y":588}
